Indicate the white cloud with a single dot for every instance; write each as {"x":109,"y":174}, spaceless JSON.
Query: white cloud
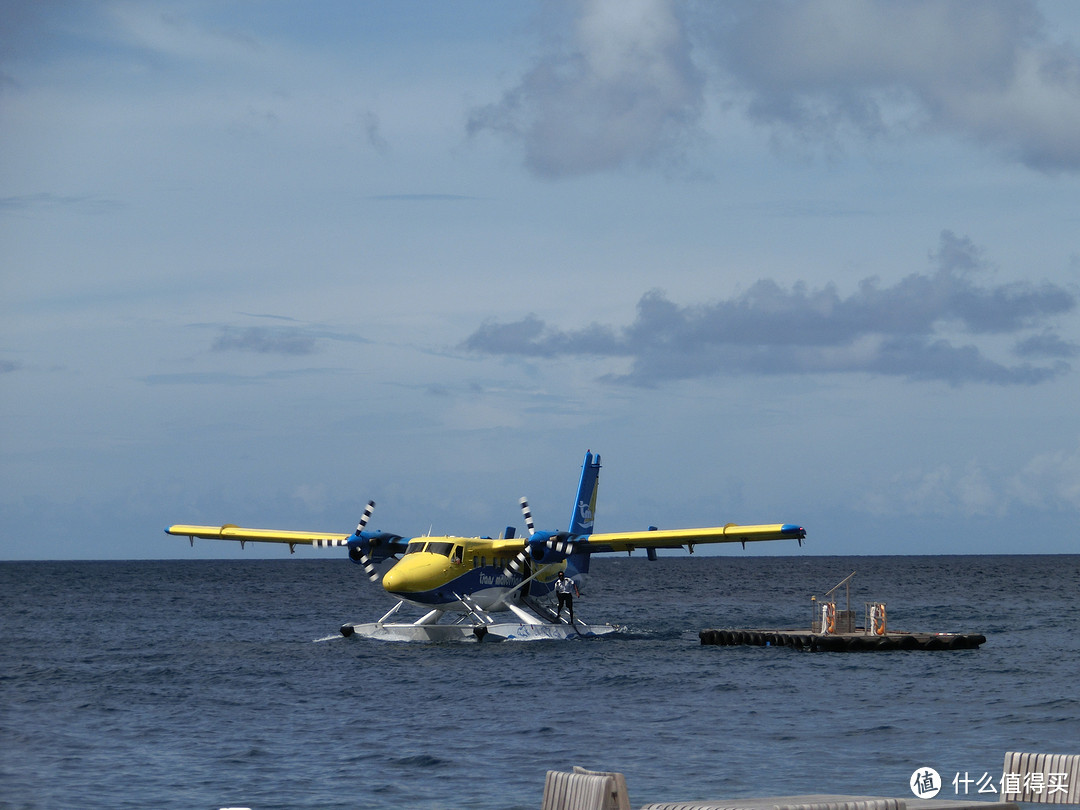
{"x":314,"y":497}
{"x":171,"y":30}
{"x":940,"y":491}
{"x":1049,"y":480}
{"x":984,"y":71}
{"x":624,"y":92}
{"x":630,"y":87}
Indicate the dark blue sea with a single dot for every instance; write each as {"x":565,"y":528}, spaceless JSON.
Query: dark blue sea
{"x":202,"y":684}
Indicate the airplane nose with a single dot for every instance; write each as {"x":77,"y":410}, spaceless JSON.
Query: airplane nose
{"x":392,"y":581}
{"x":417,"y":573}
{"x":408,"y":576}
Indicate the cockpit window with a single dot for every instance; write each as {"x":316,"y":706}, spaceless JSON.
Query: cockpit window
{"x":440,"y":548}
{"x":415,"y":546}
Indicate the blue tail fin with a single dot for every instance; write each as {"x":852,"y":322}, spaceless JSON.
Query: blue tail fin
{"x":581,"y":521}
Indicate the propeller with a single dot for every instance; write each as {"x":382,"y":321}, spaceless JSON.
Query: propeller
{"x":359,"y":546}
{"x":517,"y":564}
{"x":528,"y":516}
{"x":540,"y":548}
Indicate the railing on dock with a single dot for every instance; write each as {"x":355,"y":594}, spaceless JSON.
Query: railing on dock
{"x":825,"y":618}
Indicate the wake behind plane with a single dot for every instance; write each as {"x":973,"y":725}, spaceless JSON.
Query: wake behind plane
{"x":462,"y":581}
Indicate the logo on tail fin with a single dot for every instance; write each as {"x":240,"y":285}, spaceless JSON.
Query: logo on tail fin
{"x":585,"y":514}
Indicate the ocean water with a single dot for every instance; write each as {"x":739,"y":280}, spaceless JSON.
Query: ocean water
{"x":201,"y":684}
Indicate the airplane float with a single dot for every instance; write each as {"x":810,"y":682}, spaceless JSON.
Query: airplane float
{"x":464,"y":580}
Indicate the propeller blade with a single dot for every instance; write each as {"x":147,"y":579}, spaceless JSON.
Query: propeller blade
{"x":562,"y":546}
{"x":366,"y":516}
{"x":372,"y":572}
{"x":528,"y":516}
{"x":517,"y":565}
{"x":358,"y":549}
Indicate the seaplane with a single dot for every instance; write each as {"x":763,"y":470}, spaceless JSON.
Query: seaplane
{"x":462,"y":581}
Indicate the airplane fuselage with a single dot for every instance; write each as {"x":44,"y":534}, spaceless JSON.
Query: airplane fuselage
{"x":436,"y":572}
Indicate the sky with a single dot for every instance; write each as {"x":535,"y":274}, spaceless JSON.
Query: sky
{"x":815,"y":263}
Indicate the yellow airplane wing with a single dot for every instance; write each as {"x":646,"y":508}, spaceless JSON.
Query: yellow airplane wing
{"x":231,"y":532}
{"x":507,"y":546}
{"x":675,"y":538}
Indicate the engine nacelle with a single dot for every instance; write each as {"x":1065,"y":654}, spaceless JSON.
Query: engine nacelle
{"x":545,"y":549}
{"x":360,"y":547}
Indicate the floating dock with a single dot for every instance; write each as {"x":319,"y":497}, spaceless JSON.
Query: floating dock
{"x":842,"y":642}
{"x":834,"y":630}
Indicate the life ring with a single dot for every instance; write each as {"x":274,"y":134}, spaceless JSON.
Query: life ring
{"x":829,"y":617}
{"x":877,"y":615}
